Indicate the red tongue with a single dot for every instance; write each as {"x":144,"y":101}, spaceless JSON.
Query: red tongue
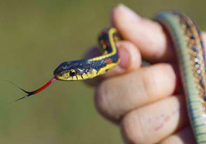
{"x":30,"y":93}
{"x":44,"y":86}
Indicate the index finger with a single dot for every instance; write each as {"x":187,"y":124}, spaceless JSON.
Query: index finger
{"x":147,"y":35}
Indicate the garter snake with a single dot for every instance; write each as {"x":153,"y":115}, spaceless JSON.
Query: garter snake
{"x":190,"y":52}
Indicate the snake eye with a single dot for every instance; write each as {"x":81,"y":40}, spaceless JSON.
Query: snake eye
{"x":72,"y":73}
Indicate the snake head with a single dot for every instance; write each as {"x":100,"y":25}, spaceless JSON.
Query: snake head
{"x":75,"y":70}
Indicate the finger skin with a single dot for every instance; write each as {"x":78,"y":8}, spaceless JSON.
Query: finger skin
{"x":147,"y":35}
{"x":185,"y":136}
{"x":203,"y":34}
{"x":152,"y":42}
{"x":154,"y":122}
{"x":116,"y":96}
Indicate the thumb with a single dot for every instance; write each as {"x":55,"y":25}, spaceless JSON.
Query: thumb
{"x":130,"y":59}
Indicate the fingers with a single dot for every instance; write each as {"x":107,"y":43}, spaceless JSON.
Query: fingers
{"x":204,"y":38}
{"x":146,"y":34}
{"x":153,"y":123}
{"x":118,"y":95}
{"x":184,"y":136}
{"x":129,"y":56}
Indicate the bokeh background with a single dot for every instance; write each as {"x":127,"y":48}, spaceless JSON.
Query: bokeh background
{"x":35,"y":36}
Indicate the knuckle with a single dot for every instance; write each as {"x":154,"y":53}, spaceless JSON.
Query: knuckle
{"x":132,"y":128}
{"x":153,"y":80}
{"x":103,"y":102}
{"x":100,"y":98}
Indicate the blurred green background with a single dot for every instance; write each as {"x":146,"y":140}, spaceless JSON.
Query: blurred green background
{"x":35,"y":36}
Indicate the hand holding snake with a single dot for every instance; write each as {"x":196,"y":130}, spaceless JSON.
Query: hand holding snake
{"x":147,"y":102}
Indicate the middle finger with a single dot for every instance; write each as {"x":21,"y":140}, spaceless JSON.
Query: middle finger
{"x":118,"y":95}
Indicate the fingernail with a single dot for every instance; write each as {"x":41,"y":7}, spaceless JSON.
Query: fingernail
{"x":130,"y":14}
{"x":125,"y":58}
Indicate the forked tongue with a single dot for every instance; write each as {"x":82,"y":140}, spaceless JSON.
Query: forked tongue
{"x":30,"y":93}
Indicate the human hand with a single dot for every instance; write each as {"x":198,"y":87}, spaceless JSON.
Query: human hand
{"x":146,"y":102}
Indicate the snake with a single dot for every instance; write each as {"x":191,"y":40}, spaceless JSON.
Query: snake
{"x":188,"y":46}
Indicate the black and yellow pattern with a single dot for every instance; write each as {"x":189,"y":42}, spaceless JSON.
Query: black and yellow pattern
{"x":89,"y":68}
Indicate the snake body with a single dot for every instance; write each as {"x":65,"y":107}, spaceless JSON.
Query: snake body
{"x":190,"y":52}
{"x":89,"y":68}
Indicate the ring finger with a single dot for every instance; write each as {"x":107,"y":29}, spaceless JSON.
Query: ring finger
{"x":154,"y":122}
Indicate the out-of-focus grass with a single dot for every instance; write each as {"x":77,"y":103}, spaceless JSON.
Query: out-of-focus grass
{"x":35,"y":36}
